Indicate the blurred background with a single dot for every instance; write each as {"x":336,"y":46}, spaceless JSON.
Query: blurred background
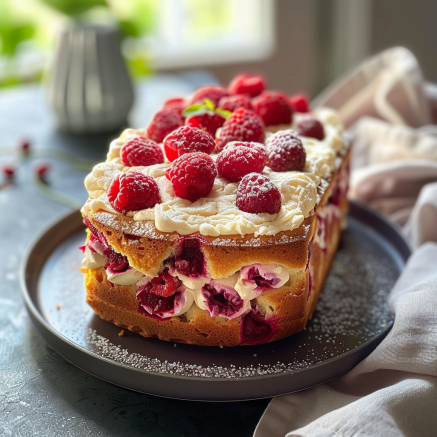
{"x":298,"y":45}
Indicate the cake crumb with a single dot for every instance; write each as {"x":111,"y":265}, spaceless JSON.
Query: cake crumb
{"x":121,"y":333}
{"x":220,"y":346}
{"x":58,"y":307}
{"x":86,"y":311}
{"x":384,"y":325}
{"x":175,"y":345}
{"x":255,"y":355}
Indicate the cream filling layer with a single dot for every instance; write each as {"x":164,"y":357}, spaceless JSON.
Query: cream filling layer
{"x":246,"y":288}
{"x":93,"y":260}
{"x":217,"y":213}
{"x":129,"y":277}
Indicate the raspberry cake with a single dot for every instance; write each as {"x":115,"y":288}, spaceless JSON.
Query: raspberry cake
{"x":217,"y":223}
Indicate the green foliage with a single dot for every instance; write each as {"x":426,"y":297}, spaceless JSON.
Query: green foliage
{"x":74,"y":7}
{"x":12,"y":34}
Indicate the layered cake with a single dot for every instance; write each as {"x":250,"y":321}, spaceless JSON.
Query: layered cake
{"x":217,"y":223}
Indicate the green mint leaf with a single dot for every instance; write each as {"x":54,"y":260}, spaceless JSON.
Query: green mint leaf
{"x":223,"y":112}
{"x":209,"y":104}
{"x":194,"y":110}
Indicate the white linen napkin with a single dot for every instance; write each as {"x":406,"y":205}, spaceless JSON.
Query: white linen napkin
{"x":393,"y":392}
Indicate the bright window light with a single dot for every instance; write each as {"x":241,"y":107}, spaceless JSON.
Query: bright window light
{"x":202,"y":32}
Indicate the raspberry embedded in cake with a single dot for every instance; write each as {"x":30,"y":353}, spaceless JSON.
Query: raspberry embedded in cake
{"x":190,"y":261}
{"x":163,"y":296}
{"x":254,"y":279}
{"x":257,"y":329}
{"x":221,"y":300}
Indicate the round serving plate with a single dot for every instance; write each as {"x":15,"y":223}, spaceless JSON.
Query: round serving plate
{"x":351,"y":319}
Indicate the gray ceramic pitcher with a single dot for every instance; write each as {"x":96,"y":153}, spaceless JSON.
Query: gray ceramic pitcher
{"x":89,"y":87}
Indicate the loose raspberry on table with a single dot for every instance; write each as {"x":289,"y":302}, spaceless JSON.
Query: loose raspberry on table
{"x":141,"y":151}
{"x":299,"y":103}
{"x":257,"y":193}
{"x":242,"y":125}
{"x":133,"y":191}
{"x":309,"y":126}
{"x":188,"y":139}
{"x":238,"y":159}
{"x":209,"y":121}
{"x":273,"y":108}
{"x":213,"y":93}
{"x":192,"y":175}
{"x":232,"y":103}
{"x":244,"y":84}
{"x":164,"y":122}
{"x":286,"y":152}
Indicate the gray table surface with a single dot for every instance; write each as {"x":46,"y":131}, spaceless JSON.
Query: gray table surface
{"x":41,"y":394}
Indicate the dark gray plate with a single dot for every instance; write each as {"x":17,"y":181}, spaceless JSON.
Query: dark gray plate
{"x":351,"y":319}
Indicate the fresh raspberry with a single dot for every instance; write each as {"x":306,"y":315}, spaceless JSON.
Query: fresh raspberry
{"x":209,"y":121}
{"x":286,"y":152}
{"x":242,"y":125}
{"x":132,"y":192}
{"x":188,"y":139}
{"x":244,"y":84}
{"x":299,"y":103}
{"x":309,"y":126}
{"x":273,"y":108}
{"x":232,"y":103}
{"x":9,"y":172}
{"x":163,"y":122}
{"x":41,"y":170}
{"x":213,"y":93}
{"x":238,"y":159}
{"x":192,"y":175}
{"x":25,"y":147}
{"x":141,"y":151}
{"x":177,"y":102}
{"x":256,"y":194}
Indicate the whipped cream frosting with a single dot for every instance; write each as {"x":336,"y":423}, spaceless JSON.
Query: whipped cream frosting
{"x":217,"y":213}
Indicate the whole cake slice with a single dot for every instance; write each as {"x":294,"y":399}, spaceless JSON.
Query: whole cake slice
{"x":217,"y":224}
